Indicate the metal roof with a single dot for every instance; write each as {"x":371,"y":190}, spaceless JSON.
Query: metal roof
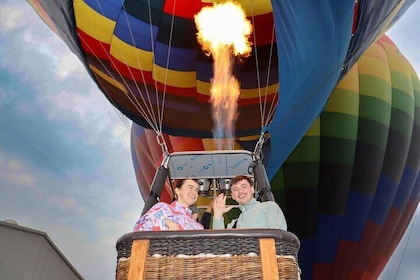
{"x":30,"y":254}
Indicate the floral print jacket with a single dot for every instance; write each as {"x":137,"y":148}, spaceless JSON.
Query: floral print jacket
{"x":154,"y":219}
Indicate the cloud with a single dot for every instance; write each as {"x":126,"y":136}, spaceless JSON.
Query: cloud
{"x":11,"y":17}
{"x":14,"y":173}
{"x":65,"y":203}
{"x":49,"y":99}
{"x":404,"y":36}
{"x":65,"y":161}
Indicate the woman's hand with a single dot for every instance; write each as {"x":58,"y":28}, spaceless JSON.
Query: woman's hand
{"x":170,"y":225}
{"x":219,"y":206}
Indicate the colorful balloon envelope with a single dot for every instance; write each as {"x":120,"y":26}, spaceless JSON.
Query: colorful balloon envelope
{"x":145,"y":58}
{"x":351,"y":186}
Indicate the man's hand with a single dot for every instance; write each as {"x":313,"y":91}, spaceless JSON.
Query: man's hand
{"x":219,"y":206}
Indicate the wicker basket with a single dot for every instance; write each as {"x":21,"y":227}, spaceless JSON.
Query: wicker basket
{"x":211,"y":254}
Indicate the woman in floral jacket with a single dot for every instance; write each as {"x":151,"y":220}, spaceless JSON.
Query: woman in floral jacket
{"x":174,"y":216}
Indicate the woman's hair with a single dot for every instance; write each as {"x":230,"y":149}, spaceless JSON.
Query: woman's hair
{"x":177,"y":183}
{"x":239,"y":178}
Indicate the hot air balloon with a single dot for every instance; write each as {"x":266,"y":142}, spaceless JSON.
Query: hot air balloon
{"x":145,"y":58}
{"x":350,"y":187}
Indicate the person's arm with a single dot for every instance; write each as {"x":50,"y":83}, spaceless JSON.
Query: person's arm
{"x":275,"y":216}
{"x":157,"y":218}
{"x":220,"y":208}
{"x":218,"y":223}
{"x":206,"y":219}
{"x":146,"y":222}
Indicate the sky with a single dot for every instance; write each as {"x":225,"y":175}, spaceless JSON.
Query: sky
{"x":65,"y":160}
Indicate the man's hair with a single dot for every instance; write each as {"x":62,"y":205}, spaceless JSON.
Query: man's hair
{"x":240,"y":178}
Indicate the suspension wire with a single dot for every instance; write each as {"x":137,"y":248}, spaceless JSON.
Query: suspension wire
{"x":111,"y":100}
{"x":157,"y":130}
{"x":122,"y":117}
{"x":139,"y":108}
{"x":272,"y":108}
{"x":118,"y":112}
{"x":147,"y":112}
{"x":149,"y":108}
{"x":257,"y":66}
{"x":133,"y":100}
{"x":263,"y":101}
{"x":273,"y":103}
{"x":166,"y":71}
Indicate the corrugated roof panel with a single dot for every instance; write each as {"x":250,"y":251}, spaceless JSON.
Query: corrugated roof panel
{"x":30,"y":254}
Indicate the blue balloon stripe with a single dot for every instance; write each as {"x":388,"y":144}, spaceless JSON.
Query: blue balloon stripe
{"x":135,"y":32}
{"x":306,"y":257}
{"x":145,"y":10}
{"x":405,"y":188}
{"x":415,"y":194}
{"x":357,"y":212}
{"x":204,"y":71}
{"x":108,"y":8}
{"x":327,"y":237}
{"x":382,"y":202}
{"x":180,"y":59}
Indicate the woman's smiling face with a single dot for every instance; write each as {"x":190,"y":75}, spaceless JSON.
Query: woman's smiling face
{"x":187,"y":194}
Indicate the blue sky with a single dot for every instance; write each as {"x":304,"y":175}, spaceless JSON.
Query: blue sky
{"x":65,"y":161}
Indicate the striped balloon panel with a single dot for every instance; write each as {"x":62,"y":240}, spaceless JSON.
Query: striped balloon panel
{"x":144,"y":53}
{"x":349,"y":185}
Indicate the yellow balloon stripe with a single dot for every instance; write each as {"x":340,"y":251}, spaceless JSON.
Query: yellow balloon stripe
{"x":93,"y":23}
{"x":204,"y":89}
{"x":376,"y":51}
{"x":401,"y":80}
{"x":109,"y":79}
{"x":367,"y":66}
{"x":344,"y":102}
{"x":315,"y":129}
{"x":251,"y":7}
{"x":397,"y":60}
{"x":255,"y":93}
{"x":351,"y":81}
{"x":133,"y":57}
{"x":374,"y":67}
{"x":181,"y":79}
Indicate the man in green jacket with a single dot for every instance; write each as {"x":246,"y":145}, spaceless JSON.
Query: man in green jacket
{"x":255,"y":214}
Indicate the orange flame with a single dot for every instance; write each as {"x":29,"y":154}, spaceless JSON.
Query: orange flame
{"x":223,"y":31}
